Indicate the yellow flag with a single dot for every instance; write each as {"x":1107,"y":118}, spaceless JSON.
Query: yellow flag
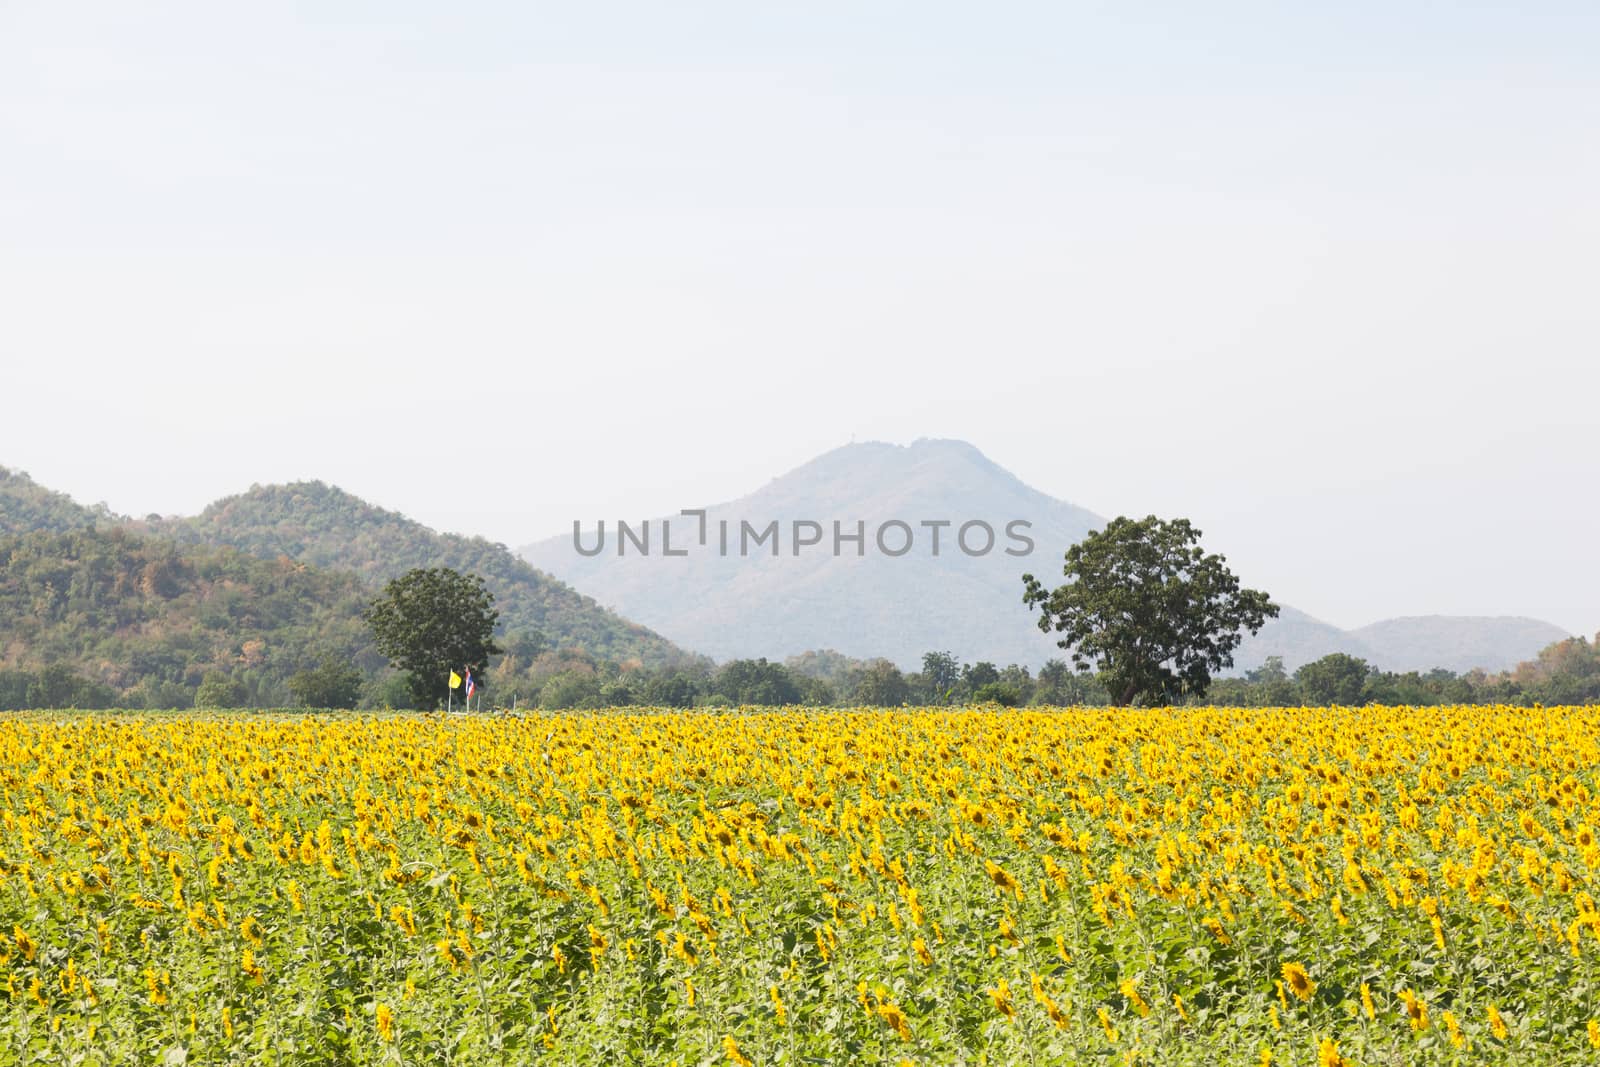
{"x":455,"y":680}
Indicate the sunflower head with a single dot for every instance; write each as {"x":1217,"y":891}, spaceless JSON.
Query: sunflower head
{"x":1299,"y":982}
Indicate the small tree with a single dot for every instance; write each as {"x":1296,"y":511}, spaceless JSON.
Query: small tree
{"x":219,"y":690}
{"x":1337,"y":678}
{"x":941,"y":673}
{"x":333,"y":683}
{"x":570,"y":689}
{"x":430,"y":622}
{"x":1059,"y":686}
{"x":1269,"y":685}
{"x":881,"y":685}
{"x":977,"y":675}
{"x":56,"y":686}
{"x":676,"y":690}
{"x":1005,"y":694}
{"x":1148,"y":608}
{"x":755,"y":681}
{"x":391,"y":692}
{"x":817,"y":692}
{"x":14,"y":684}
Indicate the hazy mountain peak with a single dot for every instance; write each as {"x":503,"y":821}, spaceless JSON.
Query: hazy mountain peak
{"x":866,"y":604}
{"x":759,"y":604}
{"x":925,"y":455}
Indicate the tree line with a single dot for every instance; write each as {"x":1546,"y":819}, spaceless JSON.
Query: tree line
{"x":1567,"y":672}
{"x":1145,"y":616}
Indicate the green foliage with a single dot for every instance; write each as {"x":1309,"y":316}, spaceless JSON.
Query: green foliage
{"x":524,"y":645}
{"x":880,"y":684}
{"x":318,"y":524}
{"x":941,"y":673}
{"x":14,"y":689}
{"x":141,"y":621}
{"x":619,"y":694}
{"x":1271,"y":685}
{"x":571,"y":689}
{"x":1147,"y":608}
{"x":1336,"y":678}
{"x":675,"y":690}
{"x":154,"y":693}
{"x":28,"y":507}
{"x":755,"y":681}
{"x":219,"y":690}
{"x":974,"y":676}
{"x":55,"y":686}
{"x":390,"y":693}
{"x":825,"y":665}
{"x":571,"y":679}
{"x":432,"y":621}
{"x":1059,"y":686}
{"x":1567,"y":672}
{"x":1002,"y":693}
{"x":816,"y":692}
{"x":333,"y":683}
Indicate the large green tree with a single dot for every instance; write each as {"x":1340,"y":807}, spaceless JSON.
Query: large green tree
{"x":431,"y":621}
{"x":1148,"y":609}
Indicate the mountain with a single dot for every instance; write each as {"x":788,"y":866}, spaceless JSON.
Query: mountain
{"x":26,"y":507}
{"x":1458,"y":643}
{"x":763,"y":605}
{"x":1297,"y":638}
{"x":326,"y":527}
{"x":748,"y":602}
{"x":146,"y":619}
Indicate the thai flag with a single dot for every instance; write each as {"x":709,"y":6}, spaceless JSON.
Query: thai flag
{"x":470,"y":684}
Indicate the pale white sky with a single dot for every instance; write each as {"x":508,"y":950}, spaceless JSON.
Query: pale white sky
{"x":1321,"y":280}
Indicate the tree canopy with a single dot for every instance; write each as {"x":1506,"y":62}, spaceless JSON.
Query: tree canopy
{"x":333,"y":683}
{"x":746,"y":681}
{"x":1148,"y":609}
{"x":1337,"y":678}
{"x":142,"y":622}
{"x":431,"y":621}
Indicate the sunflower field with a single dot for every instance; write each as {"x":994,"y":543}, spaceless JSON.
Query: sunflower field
{"x":1313,"y":886}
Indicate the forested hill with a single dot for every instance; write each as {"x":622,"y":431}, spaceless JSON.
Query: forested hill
{"x":142,"y":622}
{"x":319,"y":524}
{"x":27,"y":506}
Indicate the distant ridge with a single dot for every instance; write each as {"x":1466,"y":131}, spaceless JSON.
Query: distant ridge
{"x":761,"y":606}
{"x":322,"y":525}
{"x":1457,"y":642}
{"x":28,"y":507}
{"x":319,"y":525}
{"x":900,"y":608}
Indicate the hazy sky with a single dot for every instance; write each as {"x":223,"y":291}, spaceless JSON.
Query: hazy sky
{"x":1322,"y":278}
